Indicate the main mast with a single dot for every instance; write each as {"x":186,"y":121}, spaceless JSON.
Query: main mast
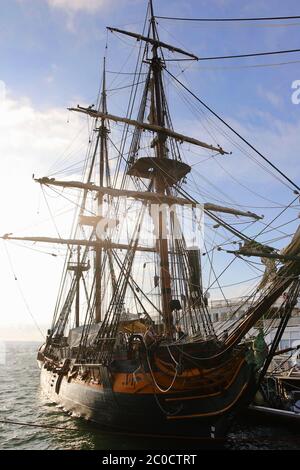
{"x":103,"y":156}
{"x":160,"y":181}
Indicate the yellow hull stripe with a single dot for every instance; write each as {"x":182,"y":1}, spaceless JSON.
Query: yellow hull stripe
{"x":210,"y":394}
{"x":211,"y":413}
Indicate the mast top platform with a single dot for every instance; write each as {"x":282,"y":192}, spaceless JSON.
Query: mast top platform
{"x":170,"y":170}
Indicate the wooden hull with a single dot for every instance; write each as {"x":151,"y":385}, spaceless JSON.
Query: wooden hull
{"x":129,"y":402}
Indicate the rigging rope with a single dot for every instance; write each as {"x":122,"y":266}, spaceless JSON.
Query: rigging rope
{"x":275,"y":218}
{"x":271,"y":18}
{"x":235,"y":132}
{"x":153,"y":378}
{"x":21,"y":291}
{"x":252,"y":66}
{"x":254,"y":54}
{"x":198,"y":109}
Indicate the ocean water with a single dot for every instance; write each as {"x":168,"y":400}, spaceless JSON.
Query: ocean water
{"x":21,"y":400}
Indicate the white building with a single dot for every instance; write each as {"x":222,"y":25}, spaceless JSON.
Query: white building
{"x":225,"y":313}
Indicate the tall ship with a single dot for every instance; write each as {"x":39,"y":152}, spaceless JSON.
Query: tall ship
{"x":132,"y":345}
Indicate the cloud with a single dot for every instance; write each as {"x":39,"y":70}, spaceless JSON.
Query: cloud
{"x":32,"y":136}
{"x":89,"y":6}
{"x":275,"y":99}
{"x":2,"y":91}
{"x":277,"y":138}
{"x":71,"y":8}
{"x":50,"y":77}
{"x":31,"y":140}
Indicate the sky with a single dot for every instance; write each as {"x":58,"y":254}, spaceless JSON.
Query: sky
{"x":51,"y":58}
